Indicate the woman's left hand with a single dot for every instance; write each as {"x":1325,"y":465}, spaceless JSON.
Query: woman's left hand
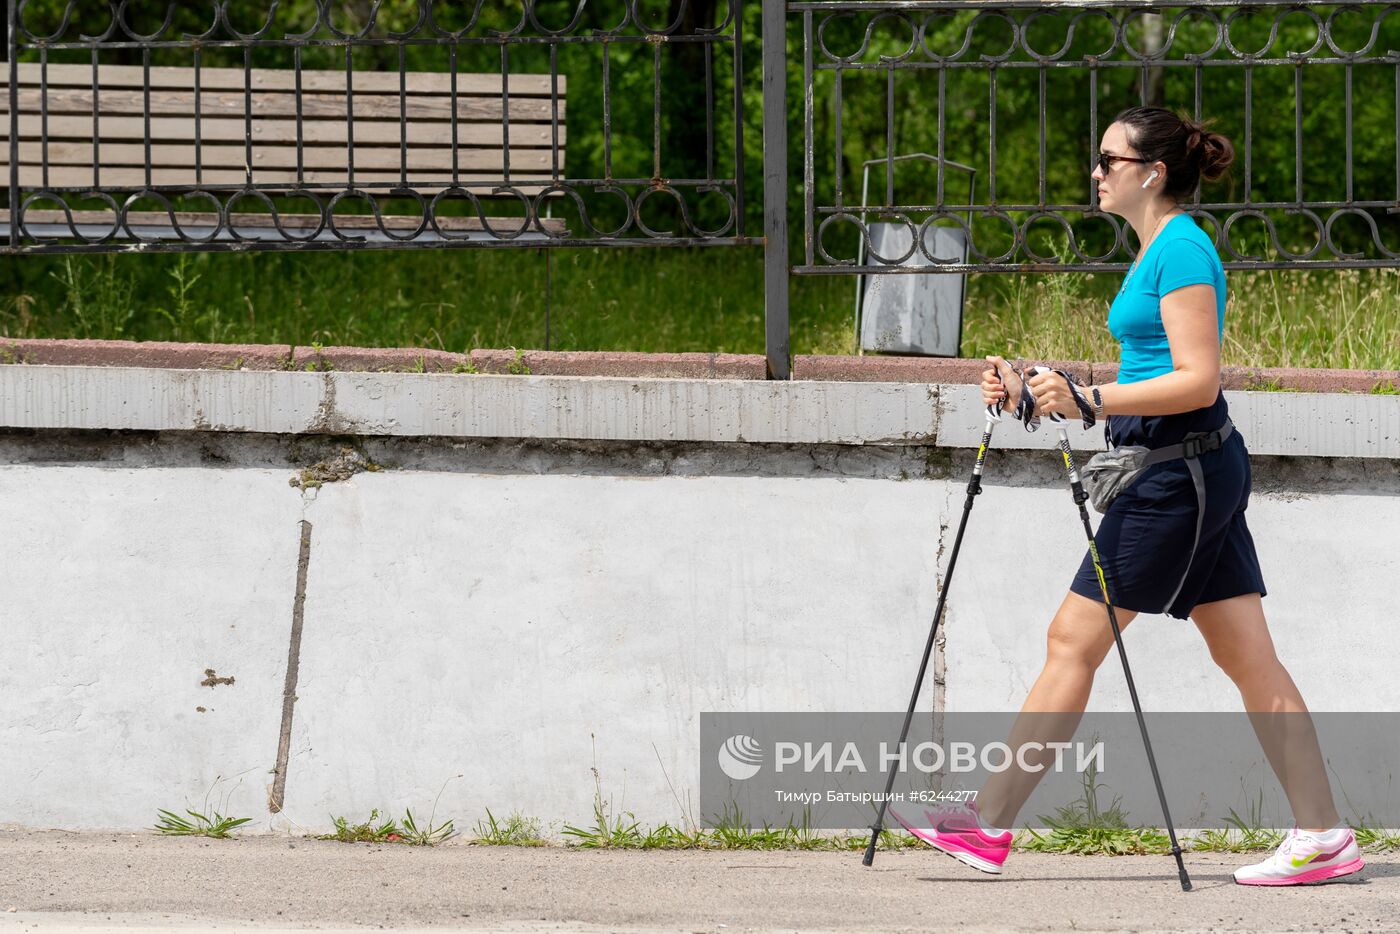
{"x":1052,"y":394}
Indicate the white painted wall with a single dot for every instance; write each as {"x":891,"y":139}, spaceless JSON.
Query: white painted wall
{"x":120,"y":588}
{"x":509,"y":627}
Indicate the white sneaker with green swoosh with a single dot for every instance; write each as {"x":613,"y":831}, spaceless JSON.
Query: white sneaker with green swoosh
{"x":1305,"y":857}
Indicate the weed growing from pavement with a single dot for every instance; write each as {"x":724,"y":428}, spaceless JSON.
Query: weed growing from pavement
{"x":607,"y":831}
{"x":1083,"y":827}
{"x":731,"y":831}
{"x":1376,"y":839}
{"x":214,"y":825}
{"x":366,"y":832}
{"x":206,"y":822}
{"x":515,"y":830}
{"x":1240,"y":833}
{"x":429,"y":834}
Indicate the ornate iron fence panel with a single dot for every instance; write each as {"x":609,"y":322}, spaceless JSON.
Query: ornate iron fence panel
{"x":1019,"y":94}
{"x":311,"y":124}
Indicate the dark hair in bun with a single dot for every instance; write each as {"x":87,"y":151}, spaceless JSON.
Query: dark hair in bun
{"x":1190,"y":151}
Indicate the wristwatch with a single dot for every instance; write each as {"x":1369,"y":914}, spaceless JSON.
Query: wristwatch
{"x":1098,"y":401}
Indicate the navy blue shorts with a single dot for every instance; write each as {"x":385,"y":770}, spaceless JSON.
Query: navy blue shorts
{"x":1144,"y":540}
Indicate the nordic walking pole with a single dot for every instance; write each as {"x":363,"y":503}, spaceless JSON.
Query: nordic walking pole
{"x":1079,"y":498}
{"x":974,"y":487}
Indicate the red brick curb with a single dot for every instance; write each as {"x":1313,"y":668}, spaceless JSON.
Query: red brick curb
{"x":1306,"y":380}
{"x":145,"y":353}
{"x":873,"y":368}
{"x":378,"y":359}
{"x":886,"y":369}
{"x":614,"y":363}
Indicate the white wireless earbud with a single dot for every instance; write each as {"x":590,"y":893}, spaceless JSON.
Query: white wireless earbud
{"x":1150,"y":179}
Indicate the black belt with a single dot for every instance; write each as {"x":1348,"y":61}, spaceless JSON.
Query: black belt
{"x":1191,"y":447}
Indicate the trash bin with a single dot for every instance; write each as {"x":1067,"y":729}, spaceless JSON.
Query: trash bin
{"x":913,"y":313}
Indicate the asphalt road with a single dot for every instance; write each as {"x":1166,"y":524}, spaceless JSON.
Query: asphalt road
{"x":54,"y":881}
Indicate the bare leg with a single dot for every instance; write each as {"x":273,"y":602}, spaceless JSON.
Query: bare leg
{"x":1240,"y":644}
{"x":1077,"y":641}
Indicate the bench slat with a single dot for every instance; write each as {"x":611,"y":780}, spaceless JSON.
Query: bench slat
{"x":131,"y":98}
{"x":31,"y":178}
{"x":284,"y":79}
{"x":314,"y":106}
{"x":283,"y":132}
{"x":320,"y":158}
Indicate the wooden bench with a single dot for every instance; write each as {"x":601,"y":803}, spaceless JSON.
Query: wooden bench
{"x":402,"y":138}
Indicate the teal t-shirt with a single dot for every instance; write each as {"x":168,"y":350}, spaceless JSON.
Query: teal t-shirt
{"x":1181,"y":254}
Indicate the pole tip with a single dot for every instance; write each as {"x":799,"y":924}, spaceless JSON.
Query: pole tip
{"x":869,"y":857}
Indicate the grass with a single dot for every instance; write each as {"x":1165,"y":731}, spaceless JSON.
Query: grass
{"x":429,"y":834}
{"x":1241,"y":834}
{"x":731,"y":832}
{"x":206,"y":822}
{"x":698,"y":299}
{"x":1080,"y":828}
{"x":515,"y":830}
{"x":213,"y":825}
{"x":408,"y":831}
{"x":1083,"y":827}
{"x":390,"y":831}
{"x":1377,"y":839}
{"x":366,"y":832}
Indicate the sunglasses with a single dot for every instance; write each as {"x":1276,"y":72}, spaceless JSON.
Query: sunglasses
{"x":1105,"y":161}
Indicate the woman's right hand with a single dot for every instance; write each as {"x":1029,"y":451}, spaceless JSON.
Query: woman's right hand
{"x":1000,"y":385}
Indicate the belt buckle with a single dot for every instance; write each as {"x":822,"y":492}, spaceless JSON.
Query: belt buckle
{"x":1195,"y":447}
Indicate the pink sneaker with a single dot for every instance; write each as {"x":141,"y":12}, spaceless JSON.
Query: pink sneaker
{"x":953,"y":828}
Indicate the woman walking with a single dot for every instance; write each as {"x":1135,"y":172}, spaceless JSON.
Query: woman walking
{"x":1175,"y":541}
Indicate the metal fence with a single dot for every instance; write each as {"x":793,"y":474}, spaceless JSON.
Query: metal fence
{"x":228,"y":125}
{"x":265,"y":131}
{"x":1208,"y":58}
{"x":975,"y":66}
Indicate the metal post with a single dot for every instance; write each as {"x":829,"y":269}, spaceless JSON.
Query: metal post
{"x":13,"y":30}
{"x":775,"y":182}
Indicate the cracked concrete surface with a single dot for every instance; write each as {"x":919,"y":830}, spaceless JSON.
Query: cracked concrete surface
{"x":81,"y":882}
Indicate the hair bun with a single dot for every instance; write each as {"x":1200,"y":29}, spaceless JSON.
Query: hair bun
{"x":1196,"y":135}
{"x":1212,"y":152}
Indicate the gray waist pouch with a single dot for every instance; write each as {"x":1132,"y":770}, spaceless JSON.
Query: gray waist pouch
{"x":1111,"y":472}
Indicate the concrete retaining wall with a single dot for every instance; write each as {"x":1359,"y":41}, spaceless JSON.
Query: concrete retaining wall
{"x":548,"y":573}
